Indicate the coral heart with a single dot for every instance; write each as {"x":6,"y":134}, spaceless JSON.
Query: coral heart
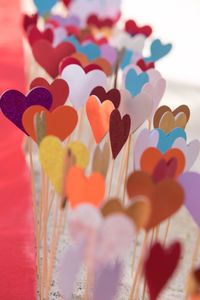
{"x":119,"y":131}
{"x":112,"y":95}
{"x":29,"y":21}
{"x":134,"y":82}
{"x":13,"y":103}
{"x":34,"y":35}
{"x":81,"y":189}
{"x":166,"y":140}
{"x":132,"y":28}
{"x":158,"y":50}
{"x":61,"y":122}
{"x":159,"y":266}
{"x":49,"y":57}
{"x":99,"y":116}
{"x":58,"y":88}
{"x":151,"y":157}
{"x":166,"y":196}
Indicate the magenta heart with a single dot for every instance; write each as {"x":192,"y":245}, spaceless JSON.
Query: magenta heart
{"x":13,"y":103}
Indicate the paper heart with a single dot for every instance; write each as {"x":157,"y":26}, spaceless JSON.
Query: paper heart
{"x":101,"y":159}
{"x":86,"y":83}
{"x":59,"y":34}
{"x":126,"y":59}
{"x":94,"y":20}
{"x":119,"y":131}
{"x":67,"y":2}
{"x":59,"y":90}
{"x":99,"y":116}
{"x":109,"y":53}
{"x":67,"y":61}
{"x":138,"y":108}
{"x":152,"y":156}
{"x":124,"y":40}
{"x":61,"y":122}
{"x":159,"y":266}
{"x":166,"y":140}
{"x":71,"y":20}
{"x":191,"y":151}
{"x":165,"y":197}
{"x":144,"y":140}
{"x":165,"y":169}
{"x":29,"y":20}
{"x":190,"y":181}
{"x":144,"y":66}
{"x":158,"y":50}
{"x":44,"y":7}
{"x":80,"y":152}
{"x":168,"y":122}
{"x":49,"y":57}
{"x":132,"y":28}
{"x":81,"y":189}
{"x":134,"y":82}
{"x":34,"y":35}
{"x":112,"y":95}
{"x":193,"y":284}
{"x":13,"y":103}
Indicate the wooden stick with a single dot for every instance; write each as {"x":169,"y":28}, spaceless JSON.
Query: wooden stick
{"x":134,"y":253}
{"x":122,"y":170}
{"x":120,"y":56}
{"x":111,"y":177}
{"x":166,"y":231}
{"x":126,"y":168}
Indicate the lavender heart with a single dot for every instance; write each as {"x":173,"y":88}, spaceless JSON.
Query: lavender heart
{"x":13,"y":103}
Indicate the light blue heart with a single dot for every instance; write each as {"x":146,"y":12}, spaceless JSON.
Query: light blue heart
{"x":158,"y":51}
{"x":134,"y":82}
{"x":126,"y":60}
{"x":166,"y":140}
{"x":44,"y":6}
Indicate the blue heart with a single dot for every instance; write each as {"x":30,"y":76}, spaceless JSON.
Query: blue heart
{"x":44,"y":6}
{"x":126,"y":60}
{"x":166,"y":140}
{"x":134,"y":82}
{"x":158,"y":50}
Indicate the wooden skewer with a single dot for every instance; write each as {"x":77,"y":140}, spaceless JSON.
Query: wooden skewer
{"x":126,"y":168}
{"x":111,"y":177}
{"x":166,"y":231}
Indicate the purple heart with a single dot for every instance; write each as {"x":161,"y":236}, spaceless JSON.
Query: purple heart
{"x":190,"y":181}
{"x":108,"y":52}
{"x":13,"y":103}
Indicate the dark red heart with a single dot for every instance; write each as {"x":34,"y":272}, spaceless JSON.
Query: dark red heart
{"x":99,"y":23}
{"x":165,"y":169}
{"x":73,"y":61}
{"x":132,"y":28}
{"x":119,"y":131}
{"x":144,"y":66}
{"x":58,"y":88}
{"x":67,"y":2}
{"x":49,"y":57}
{"x":159,"y":267}
{"x":113,"y":95}
{"x":29,"y":21}
{"x":34,"y":35}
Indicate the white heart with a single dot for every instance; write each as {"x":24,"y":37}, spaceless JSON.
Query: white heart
{"x":124,"y":40}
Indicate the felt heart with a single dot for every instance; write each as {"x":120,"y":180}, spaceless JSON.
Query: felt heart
{"x":101,"y":159}
{"x":13,"y":103}
{"x":81,"y":153}
{"x":168,"y":122}
{"x":61,"y":122}
{"x":144,"y":66}
{"x":132,"y":28}
{"x":159,"y":266}
{"x":191,"y":151}
{"x":49,"y":57}
{"x":59,"y":90}
{"x":134,"y":82}
{"x":139,"y":211}
{"x":165,"y":197}
{"x":119,"y":131}
{"x":99,"y":116}
{"x":44,"y":6}
{"x":112,"y":95}
{"x":109,"y":53}
{"x":152,"y":156}
{"x":158,"y":50}
{"x":29,"y":21}
{"x":81,"y":189}
{"x":87,"y":82}
{"x":138,"y":108}
{"x":190,"y":182}
{"x":34,"y":35}
{"x":166,"y":140}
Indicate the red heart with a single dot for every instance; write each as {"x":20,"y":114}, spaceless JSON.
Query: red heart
{"x":144,"y":66}
{"x":165,"y":169}
{"x":119,"y":131}
{"x":112,"y":95}
{"x":49,"y":57}
{"x":67,"y":2}
{"x":132,"y":28}
{"x":34,"y":35}
{"x":73,"y":61}
{"x":159,"y":266}
{"x":59,"y":90}
{"x":29,"y":21}
{"x":99,"y":23}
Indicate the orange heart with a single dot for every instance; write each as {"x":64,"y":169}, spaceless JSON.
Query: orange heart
{"x":152,"y":156}
{"x":99,"y":116}
{"x":81,"y":58}
{"x":81,"y":189}
{"x":60,"y":122}
{"x":166,"y":197}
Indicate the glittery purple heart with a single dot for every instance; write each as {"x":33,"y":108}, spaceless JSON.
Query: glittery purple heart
{"x":13,"y":103}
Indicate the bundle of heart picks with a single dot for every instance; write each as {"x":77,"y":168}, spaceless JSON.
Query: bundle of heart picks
{"x":114,"y":164}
